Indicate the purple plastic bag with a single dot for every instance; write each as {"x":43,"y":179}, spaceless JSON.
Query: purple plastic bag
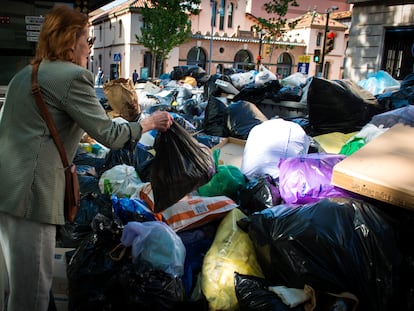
{"x":307,"y":179}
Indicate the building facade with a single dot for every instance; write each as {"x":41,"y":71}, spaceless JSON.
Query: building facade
{"x":227,"y":41}
{"x":381,"y":37}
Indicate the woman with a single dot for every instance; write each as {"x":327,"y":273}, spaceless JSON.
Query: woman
{"x":31,"y":171}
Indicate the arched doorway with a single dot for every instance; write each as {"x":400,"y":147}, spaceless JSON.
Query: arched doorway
{"x":243,"y":60}
{"x":284,"y":65}
{"x":197,"y":56}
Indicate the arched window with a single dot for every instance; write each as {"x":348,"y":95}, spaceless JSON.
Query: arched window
{"x":230,"y":15}
{"x":284,"y":65}
{"x":243,"y":60}
{"x":197,"y":56}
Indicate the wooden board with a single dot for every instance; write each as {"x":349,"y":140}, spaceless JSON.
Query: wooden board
{"x":383,"y":169}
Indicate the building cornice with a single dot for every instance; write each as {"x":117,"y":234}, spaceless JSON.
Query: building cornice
{"x":246,"y":40}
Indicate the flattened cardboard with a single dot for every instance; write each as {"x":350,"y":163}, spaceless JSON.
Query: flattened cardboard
{"x":231,"y":151}
{"x":383,"y":169}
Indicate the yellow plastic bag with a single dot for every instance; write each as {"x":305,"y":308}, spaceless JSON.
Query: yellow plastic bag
{"x":232,"y":251}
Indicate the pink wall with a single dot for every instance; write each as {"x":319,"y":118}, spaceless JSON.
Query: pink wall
{"x":304,"y":6}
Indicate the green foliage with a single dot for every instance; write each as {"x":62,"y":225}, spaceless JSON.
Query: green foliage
{"x":277,"y":25}
{"x":166,"y":24}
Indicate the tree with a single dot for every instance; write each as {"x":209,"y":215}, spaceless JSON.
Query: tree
{"x":166,"y":24}
{"x":277,"y":25}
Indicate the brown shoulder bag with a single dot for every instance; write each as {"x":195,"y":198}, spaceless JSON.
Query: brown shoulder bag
{"x":72,"y":191}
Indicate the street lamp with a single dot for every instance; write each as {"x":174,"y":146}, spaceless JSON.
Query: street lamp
{"x":259,"y":57}
{"x":213,"y":21}
{"x":328,"y":12}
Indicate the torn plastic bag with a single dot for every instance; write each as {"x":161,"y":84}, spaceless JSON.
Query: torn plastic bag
{"x":334,"y":245}
{"x":181,"y":165}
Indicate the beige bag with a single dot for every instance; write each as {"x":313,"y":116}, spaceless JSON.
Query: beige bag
{"x":122,"y":98}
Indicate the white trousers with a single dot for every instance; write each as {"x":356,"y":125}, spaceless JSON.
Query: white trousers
{"x":26,"y":263}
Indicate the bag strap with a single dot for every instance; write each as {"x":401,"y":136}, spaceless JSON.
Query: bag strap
{"x":47,"y":116}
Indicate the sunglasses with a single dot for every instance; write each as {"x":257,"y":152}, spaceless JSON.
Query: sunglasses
{"x":91,"y":41}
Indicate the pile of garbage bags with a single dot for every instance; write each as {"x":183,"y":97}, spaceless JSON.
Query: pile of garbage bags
{"x":165,"y":225}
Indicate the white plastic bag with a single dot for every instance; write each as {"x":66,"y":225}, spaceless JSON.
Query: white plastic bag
{"x":121,"y":180}
{"x":270,"y":141}
{"x":241,"y":79}
{"x":264,"y":75}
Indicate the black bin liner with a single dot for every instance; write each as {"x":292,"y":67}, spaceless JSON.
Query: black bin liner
{"x":339,"y":106}
{"x":180,"y":166}
{"x":335,"y":245}
{"x":242,"y":117}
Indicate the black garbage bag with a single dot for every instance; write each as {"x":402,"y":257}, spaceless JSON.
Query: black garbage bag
{"x":133,"y":288}
{"x":213,"y":89}
{"x":180,"y":166}
{"x":400,"y":98}
{"x":339,"y":106}
{"x":125,"y":155}
{"x":215,"y":118}
{"x":242,"y":117}
{"x":144,"y":159}
{"x":72,"y":234}
{"x":253,"y":295}
{"x":194,"y":71}
{"x":335,"y":245}
{"x":290,"y":93}
{"x":91,"y":266}
{"x":259,"y":193}
{"x":256,"y":94}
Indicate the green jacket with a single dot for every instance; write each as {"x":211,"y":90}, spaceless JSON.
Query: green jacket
{"x":31,"y":171}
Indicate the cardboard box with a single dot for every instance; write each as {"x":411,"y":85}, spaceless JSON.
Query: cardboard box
{"x":383,"y":169}
{"x":60,"y":280}
{"x":231,"y":151}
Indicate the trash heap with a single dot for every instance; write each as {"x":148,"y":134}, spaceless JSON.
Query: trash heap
{"x":171,"y":223}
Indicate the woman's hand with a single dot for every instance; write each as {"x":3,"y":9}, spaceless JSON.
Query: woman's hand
{"x":159,"y":120}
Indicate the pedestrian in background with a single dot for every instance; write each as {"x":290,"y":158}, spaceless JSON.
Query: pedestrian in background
{"x":33,"y":181}
{"x":135,"y":76}
{"x":99,"y":77}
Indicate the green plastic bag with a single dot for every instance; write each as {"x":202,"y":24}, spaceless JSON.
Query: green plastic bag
{"x":228,"y":180}
{"x":351,"y":146}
